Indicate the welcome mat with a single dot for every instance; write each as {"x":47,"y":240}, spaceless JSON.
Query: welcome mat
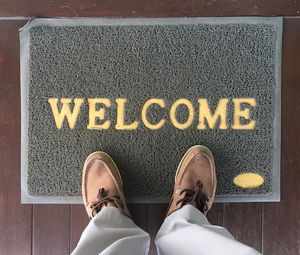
{"x":144,"y":91}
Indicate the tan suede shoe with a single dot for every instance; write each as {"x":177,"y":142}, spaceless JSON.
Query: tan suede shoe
{"x":102,"y":184}
{"x":195,"y":180}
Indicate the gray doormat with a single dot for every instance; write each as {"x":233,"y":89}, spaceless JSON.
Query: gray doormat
{"x":144,"y":91}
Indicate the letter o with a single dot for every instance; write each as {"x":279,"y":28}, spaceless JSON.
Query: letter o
{"x":175,"y":105}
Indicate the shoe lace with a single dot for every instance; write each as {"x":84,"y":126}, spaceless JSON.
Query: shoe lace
{"x":197,"y":196}
{"x":103,"y":199}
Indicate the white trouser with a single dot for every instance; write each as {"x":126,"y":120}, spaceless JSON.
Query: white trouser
{"x":186,"y":231}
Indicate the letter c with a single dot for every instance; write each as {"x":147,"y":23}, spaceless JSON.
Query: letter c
{"x":147,"y":104}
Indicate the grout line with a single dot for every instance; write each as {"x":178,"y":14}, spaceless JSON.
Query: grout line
{"x":147,"y":227}
{"x":124,"y":17}
{"x":32,"y":229}
{"x":16,"y":18}
{"x":70,"y":226}
{"x":262,"y":227}
{"x":224,"y":215}
{"x":120,"y":17}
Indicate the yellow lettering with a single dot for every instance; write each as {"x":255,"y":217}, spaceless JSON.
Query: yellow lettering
{"x":65,"y":111}
{"x":121,"y":116}
{"x":147,"y":104}
{"x":173,"y":109}
{"x":239,"y":113}
{"x":100,"y":114}
{"x":205,"y":113}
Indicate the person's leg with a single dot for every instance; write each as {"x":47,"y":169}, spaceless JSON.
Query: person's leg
{"x":186,"y":231}
{"x":111,"y":230}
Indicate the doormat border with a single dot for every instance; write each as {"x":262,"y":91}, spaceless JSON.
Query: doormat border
{"x":274,"y":196}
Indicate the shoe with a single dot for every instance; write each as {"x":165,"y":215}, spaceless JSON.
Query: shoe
{"x":102,"y":185}
{"x":195,"y":181}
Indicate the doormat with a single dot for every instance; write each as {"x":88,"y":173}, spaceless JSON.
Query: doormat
{"x":144,"y":91}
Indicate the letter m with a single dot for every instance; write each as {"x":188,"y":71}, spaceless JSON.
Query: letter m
{"x":65,"y":111}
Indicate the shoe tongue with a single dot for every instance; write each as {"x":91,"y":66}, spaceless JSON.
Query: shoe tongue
{"x":179,"y":196}
{"x":191,"y":202}
{"x":194,"y":196}
{"x":111,"y":204}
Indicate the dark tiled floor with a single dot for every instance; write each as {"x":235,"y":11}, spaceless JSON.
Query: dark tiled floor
{"x":273,"y":228}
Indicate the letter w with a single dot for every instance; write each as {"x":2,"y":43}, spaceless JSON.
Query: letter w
{"x":65,"y":111}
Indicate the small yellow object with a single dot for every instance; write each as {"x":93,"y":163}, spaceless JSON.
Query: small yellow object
{"x":248,"y":180}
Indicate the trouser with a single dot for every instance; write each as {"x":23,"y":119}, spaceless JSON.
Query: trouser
{"x":186,"y":231}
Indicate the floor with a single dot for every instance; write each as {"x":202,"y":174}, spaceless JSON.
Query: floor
{"x":273,"y":228}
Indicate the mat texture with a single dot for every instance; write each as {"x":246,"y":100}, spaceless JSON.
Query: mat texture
{"x":139,"y":59}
